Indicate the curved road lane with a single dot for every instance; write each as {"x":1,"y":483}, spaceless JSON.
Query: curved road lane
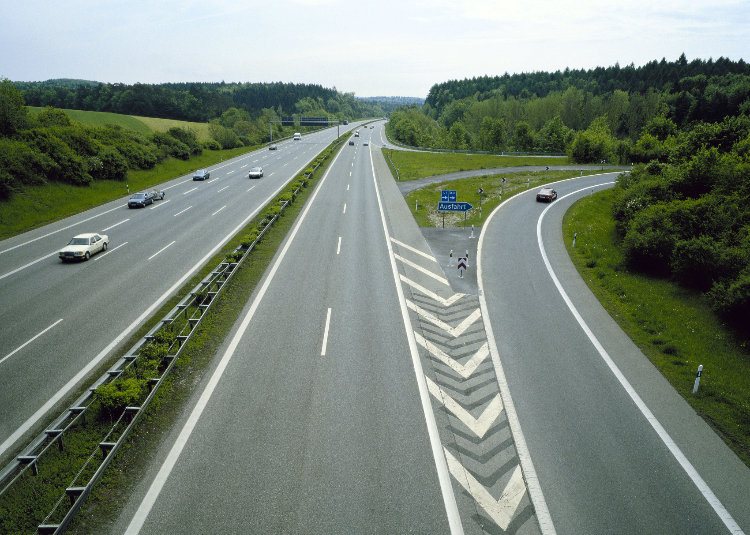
{"x":601,"y":463}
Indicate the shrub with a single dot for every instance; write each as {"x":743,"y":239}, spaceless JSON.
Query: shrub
{"x":211,"y":144}
{"x":649,"y":241}
{"x":249,"y":238}
{"x":119,"y":393}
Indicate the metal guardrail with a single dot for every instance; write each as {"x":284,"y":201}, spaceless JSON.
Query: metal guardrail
{"x":187,"y":315}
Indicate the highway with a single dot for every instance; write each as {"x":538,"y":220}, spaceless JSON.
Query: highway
{"x":616,"y":450}
{"x":61,"y":321}
{"x":311,"y":422}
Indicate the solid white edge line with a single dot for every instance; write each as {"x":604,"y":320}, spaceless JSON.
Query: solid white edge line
{"x":19,"y":348}
{"x":532,"y":481}
{"x":60,"y":394}
{"x":702,"y":486}
{"x":441,"y":464}
{"x":156,"y":486}
{"x":325,"y":333}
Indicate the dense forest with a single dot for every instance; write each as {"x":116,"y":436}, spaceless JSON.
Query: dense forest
{"x":592,"y":115}
{"x":683,"y":212}
{"x":198,"y":102}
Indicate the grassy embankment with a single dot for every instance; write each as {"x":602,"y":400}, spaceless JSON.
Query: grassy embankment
{"x":672,"y":326}
{"x":41,"y":205}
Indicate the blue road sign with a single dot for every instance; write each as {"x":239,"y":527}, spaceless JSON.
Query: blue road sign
{"x":454,"y":206}
{"x":448,"y":195}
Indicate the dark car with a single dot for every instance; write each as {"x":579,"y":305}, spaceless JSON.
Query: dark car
{"x":546,"y":194}
{"x":201,"y":174}
{"x":351,"y":142}
{"x":140,"y":200}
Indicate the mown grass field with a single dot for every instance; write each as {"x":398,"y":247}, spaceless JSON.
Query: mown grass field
{"x":99,"y":118}
{"x":413,"y":165}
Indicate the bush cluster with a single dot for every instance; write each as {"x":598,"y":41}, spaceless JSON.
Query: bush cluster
{"x":688,"y":218}
{"x":52,"y":148}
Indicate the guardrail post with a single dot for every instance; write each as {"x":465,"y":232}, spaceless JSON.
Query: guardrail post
{"x":106,"y":447}
{"x":74,"y":493}
{"x":56,"y":434}
{"x":29,"y":459}
{"x":77,"y":411}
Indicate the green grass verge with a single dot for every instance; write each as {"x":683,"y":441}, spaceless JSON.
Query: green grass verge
{"x":99,"y":118}
{"x":423,"y":202}
{"x":673,"y":326}
{"x":40,"y":205}
{"x":413,"y":165}
{"x":105,"y":502}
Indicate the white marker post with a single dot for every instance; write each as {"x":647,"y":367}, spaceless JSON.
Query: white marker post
{"x":467,"y":258}
{"x":575,"y":235}
{"x":450,"y":259}
{"x":472,"y":232}
{"x":697,"y":378}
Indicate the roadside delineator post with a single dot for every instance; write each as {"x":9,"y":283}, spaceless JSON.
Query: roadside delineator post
{"x":472,"y":232}
{"x":462,"y":264}
{"x":575,"y":235}
{"x":467,"y":258}
{"x":697,"y":378}
{"x":450,"y":259}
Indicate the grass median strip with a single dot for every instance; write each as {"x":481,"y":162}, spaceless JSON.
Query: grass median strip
{"x":23,"y":507}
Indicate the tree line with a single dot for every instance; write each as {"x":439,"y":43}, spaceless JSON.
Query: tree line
{"x":575,"y":115}
{"x":196,"y":102}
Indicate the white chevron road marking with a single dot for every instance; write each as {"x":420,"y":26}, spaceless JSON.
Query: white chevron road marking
{"x":502,"y":510}
{"x":478,"y":426}
{"x":465,"y":370}
{"x":432,"y":295}
{"x":420,"y":268}
{"x":412,"y":249}
{"x":453,"y":331}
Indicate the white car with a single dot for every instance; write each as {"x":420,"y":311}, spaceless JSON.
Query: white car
{"x":83,"y":246}
{"x":255,"y":172}
{"x":366,"y":143}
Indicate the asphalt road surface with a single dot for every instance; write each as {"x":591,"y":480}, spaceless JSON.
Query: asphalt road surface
{"x":59,"y":322}
{"x":616,"y":450}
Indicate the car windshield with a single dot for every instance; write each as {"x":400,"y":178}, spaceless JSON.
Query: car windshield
{"x":255,"y":169}
{"x":79,"y":241}
{"x":139,"y":195}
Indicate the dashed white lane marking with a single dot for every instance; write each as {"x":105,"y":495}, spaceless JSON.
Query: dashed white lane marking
{"x":185,"y":210}
{"x":19,"y":348}
{"x":116,"y":224}
{"x":338,"y":249}
{"x":162,"y":250}
{"x":325,"y":333}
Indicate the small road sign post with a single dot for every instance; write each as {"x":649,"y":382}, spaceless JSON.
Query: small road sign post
{"x":461,"y":267}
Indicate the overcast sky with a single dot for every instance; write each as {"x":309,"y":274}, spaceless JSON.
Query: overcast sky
{"x":389,"y":47}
